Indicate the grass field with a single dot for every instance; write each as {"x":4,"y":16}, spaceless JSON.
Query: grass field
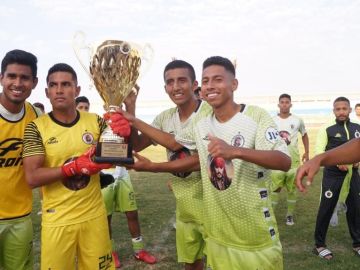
{"x":156,"y":210}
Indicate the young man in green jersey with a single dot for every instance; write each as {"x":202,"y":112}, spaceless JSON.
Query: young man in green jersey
{"x":180,"y":84}
{"x":239,"y":224}
{"x":18,"y":79}
{"x":289,"y":126}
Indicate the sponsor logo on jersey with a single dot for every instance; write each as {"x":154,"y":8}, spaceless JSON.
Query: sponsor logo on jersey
{"x":272,"y":232}
{"x":338,"y":135}
{"x":238,"y":140}
{"x":272,"y":134}
{"x":263,"y":193}
{"x":260,"y":175}
{"x":10,"y":147}
{"x":285,"y":136}
{"x":88,"y":138}
{"x":52,"y":140}
{"x":266,"y":214}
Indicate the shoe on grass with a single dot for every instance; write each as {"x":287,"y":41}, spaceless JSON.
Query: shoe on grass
{"x":290,"y":220}
{"x":144,"y":256}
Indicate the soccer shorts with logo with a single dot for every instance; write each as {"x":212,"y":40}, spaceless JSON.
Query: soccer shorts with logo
{"x":88,"y":242}
{"x":221,"y":257}
{"x":16,"y":236}
{"x":282,"y":179}
{"x":189,"y":241}
{"x":119,"y":196}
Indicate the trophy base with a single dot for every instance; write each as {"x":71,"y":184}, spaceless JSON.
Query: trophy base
{"x":113,"y":153}
{"x":114,"y":160}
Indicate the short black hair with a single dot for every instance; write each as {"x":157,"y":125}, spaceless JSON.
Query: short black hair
{"x":284,"y":96}
{"x":357,"y":105}
{"x":338,"y":99}
{"x":20,"y":57}
{"x":82,"y":99}
{"x":220,"y":61}
{"x":61,"y":67}
{"x":181,"y":64}
{"x":39,"y":105}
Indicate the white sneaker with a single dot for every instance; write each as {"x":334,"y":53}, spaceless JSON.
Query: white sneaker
{"x":290,"y":220}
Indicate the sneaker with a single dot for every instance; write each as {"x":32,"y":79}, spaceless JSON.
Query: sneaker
{"x":290,"y":220}
{"x":116,"y":259}
{"x":144,"y":256}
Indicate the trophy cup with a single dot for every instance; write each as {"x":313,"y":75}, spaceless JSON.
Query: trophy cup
{"x":114,"y":70}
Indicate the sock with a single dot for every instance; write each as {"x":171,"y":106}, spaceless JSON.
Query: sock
{"x":274,"y":198}
{"x":137,"y":244}
{"x":291,"y":201}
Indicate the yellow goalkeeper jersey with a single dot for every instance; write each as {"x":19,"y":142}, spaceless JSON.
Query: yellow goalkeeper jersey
{"x":78,"y":199}
{"x":15,"y":194}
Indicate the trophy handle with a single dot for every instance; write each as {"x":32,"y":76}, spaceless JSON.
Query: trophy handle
{"x":79,"y":45}
{"x":147,"y":56}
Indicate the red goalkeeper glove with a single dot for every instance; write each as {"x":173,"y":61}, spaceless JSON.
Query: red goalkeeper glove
{"x":83,"y":165}
{"x":118,"y":124}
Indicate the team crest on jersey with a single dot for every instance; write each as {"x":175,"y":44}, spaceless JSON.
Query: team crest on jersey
{"x":220,"y":172}
{"x":88,"y":138}
{"x":357,"y":134}
{"x":272,"y":134}
{"x":182,"y":153}
{"x":238,"y":140}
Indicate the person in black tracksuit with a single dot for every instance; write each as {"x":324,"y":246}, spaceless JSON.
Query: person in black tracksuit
{"x":331,"y":136}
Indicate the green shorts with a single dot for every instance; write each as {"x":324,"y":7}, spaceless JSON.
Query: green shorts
{"x":16,"y":236}
{"x":221,"y":257}
{"x":189,"y":241}
{"x":280,"y":179}
{"x":119,"y":196}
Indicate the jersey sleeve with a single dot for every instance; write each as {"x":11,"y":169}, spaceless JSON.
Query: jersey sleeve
{"x":157,"y":122}
{"x":33,"y":144}
{"x":267,"y":135}
{"x":321,"y":141}
{"x":302,"y":129}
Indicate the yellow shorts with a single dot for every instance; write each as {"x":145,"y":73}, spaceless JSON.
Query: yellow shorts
{"x":189,"y":241}
{"x":86,"y":244}
{"x":280,"y":179}
{"x":119,"y":196}
{"x":220,"y":257}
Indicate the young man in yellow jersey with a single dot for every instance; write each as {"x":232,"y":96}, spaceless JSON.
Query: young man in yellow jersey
{"x":18,"y":79}
{"x":74,"y":217}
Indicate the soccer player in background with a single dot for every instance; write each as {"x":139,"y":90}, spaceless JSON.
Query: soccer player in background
{"x":120,"y":196}
{"x":57,"y":156}
{"x":289,"y":126}
{"x":18,"y":79}
{"x":239,"y":224}
{"x":338,"y":177}
{"x":40,"y":106}
{"x":357,"y":113}
{"x":180,"y":84}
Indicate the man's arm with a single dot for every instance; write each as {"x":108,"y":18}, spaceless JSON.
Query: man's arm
{"x":345,"y":154}
{"x":36,"y":174}
{"x":270,"y":159}
{"x":187,"y":164}
{"x":305,"y":140}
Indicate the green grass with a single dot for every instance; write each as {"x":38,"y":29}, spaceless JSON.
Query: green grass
{"x":156,"y":211}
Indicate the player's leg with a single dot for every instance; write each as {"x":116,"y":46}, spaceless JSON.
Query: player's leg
{"x":125,"y":202}
{"x":330,"y":190}
{"x":353,"y":210}
{"x":16,"y":238}
{"x":109,"y":194}
{"x":277,"y":182}
{"x":58,"y":243}
{"x":94,"y":247}
{"x":223,"y":257}
{"x":190,"y":244}
{"x":291,"y":196}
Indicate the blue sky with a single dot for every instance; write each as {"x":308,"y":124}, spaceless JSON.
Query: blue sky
{"x":294,"y":46}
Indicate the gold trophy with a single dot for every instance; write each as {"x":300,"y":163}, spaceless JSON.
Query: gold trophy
{"x":114,"y":70}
